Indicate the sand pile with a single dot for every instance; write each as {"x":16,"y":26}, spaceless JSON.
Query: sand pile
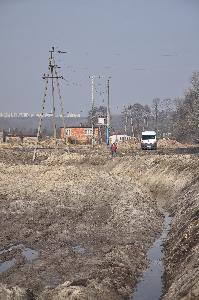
{"x":168,"y":143}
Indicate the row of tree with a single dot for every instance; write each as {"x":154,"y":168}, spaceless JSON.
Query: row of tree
{"x":175,"y":118}
{"x":159,"y":117}
{"x":186,"y":116}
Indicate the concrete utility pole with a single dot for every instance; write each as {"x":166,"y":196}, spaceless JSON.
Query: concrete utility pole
{"x":132,"y":127}
{"x":108,"y":112}
{"x":92,"y":77}
{"x":156,"y":118}
{"x":126,"y":120}
{"x":93,"y":105}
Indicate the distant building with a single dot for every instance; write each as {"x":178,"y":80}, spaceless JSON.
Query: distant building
{"x":116,"y":138}
{"x":15,"y":115}
{"x":79,"y":135}
{"x":30,"y":115}
{"x":72,"y":115}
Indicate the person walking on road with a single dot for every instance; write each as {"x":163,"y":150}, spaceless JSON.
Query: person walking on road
{"x":113,"y":149}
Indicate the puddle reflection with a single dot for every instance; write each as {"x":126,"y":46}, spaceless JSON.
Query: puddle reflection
{"x":150,"y":287}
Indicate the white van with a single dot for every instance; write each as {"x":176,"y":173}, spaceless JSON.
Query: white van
{"x":149,"y":140}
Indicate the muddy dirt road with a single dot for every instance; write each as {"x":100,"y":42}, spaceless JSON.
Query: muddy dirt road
{"x":78,"y":226}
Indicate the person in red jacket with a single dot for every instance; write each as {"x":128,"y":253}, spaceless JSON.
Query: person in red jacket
{"x":113,"y":149}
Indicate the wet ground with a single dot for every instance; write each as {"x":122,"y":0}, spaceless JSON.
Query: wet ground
{"x":80,"y":225}
{"x":151,"y":285}
{"x":29,"y":254}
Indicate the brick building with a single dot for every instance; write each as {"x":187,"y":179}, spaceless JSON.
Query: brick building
{"x":79,"y":135}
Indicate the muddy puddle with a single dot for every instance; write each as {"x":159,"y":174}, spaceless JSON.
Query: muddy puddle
{"x":79,"y":249}
{"x":151,"y":285}
{"x":29,"y":254}
{"x":6,"y":265}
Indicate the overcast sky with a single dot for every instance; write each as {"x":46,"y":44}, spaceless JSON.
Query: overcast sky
{"x":149,"y":48}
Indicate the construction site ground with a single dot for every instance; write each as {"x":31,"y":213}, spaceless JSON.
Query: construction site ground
{"x":78,"y":225}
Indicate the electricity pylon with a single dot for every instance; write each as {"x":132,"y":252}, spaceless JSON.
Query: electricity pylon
{"x":54,"y":78}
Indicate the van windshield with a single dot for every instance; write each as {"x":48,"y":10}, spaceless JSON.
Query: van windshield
{"x":148,"y":137}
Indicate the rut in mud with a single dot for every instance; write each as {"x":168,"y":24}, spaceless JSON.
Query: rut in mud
{"x":91,"y":220}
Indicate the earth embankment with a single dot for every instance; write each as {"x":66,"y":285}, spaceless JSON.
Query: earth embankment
{"x":173,"y":182}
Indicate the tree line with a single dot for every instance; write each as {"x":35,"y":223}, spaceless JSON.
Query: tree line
{"x":176,"y":118}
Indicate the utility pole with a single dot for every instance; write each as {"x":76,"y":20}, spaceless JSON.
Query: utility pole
{"x":156,"y":117}
{"x":132,"y":127}
{"x":126,"y":120}
{"x":92,"y":77}
{"x":53,"y":75}
{"x":108,"y":112}
{"x":51,"y":67}
{"x":93,"y":105}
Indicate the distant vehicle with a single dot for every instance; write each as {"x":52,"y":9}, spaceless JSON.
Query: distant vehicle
{"x":149,"y":140}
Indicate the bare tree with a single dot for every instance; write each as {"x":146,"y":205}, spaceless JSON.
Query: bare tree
{"x":155,"y":107}
{"x":136,"y":119}
{"x":96,"y":113}
{"x":186,"y":125}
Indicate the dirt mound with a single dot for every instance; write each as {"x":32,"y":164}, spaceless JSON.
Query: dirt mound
{"x":127,"y":146}
{"x":169,"y":143}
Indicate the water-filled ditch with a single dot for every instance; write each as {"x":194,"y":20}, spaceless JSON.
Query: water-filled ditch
{"x":151,"y":285}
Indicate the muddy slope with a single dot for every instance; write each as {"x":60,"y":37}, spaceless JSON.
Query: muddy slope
{"x":92,"y":220}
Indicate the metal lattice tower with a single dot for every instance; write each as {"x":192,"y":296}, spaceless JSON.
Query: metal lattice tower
{"x":52,"y":76}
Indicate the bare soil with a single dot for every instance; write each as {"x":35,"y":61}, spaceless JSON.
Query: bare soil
{"x":92,"y":219}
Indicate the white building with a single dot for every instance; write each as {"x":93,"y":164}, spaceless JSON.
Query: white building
{"x":72,"y":115}
{"x":117,"y":138}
